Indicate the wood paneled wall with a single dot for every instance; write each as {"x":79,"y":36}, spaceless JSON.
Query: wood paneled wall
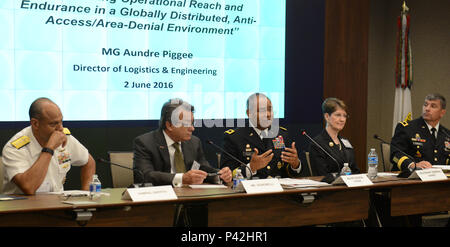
{"x":346,"y":66}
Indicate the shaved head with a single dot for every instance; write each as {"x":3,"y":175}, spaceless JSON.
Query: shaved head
{"x":36,"y":107}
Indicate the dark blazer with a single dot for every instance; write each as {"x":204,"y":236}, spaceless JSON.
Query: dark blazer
{"x":240,"y":143}
{"x":415,"y":139}
{"x":322,"y":164}
{"x":151,"y":156}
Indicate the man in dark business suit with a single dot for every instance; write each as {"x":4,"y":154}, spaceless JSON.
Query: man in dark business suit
{"x":166,"y":155}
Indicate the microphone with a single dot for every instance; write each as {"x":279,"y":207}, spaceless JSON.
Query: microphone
{"x":144,"y":184}
{"x":329,"y":178}
{"x":242,"y":164}
{"x":406,"y":172}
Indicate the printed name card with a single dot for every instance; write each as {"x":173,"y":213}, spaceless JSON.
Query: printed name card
{"x":430,"y":174}
{"x":354,"y":180}
{"x":156,"y":193}
{"x":262,"y":186}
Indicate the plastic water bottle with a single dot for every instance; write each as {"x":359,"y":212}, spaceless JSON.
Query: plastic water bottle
{"x":95,"y":187}
{"x":237,"y":179}
{"x":346,"y":170}
{"x":372,"y":163}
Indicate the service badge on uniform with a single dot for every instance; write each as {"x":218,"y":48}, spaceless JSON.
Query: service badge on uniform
{"x":418,"y":154}
{"x":63,"y":158}
{"x":278,"y":142}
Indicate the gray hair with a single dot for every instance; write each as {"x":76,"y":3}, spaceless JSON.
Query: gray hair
{"x":436,"y":96}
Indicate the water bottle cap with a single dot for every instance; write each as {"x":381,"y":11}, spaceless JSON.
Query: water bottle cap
{"x":372,"y":149}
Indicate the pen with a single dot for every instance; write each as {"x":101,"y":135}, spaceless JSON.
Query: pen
{"x":214,"y":174}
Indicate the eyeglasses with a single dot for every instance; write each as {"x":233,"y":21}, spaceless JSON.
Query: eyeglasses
{"x":340,"y":115}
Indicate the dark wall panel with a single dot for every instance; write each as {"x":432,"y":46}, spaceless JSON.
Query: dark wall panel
{"x":346,"y":66}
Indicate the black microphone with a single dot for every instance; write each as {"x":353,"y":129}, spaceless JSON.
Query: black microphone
{"x":406,"y":172}
{"x":144,"y":184}
{"x":242,"y":164}
{"x":329,"y":178}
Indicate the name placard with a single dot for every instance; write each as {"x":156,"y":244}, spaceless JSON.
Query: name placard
{"x":430,"y":174}
{"x":262,"y":186}
{"x":354,"y":180}
{"x":156,"y":193}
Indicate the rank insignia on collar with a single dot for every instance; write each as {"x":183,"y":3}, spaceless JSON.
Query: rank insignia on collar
{"x":230,"y":131}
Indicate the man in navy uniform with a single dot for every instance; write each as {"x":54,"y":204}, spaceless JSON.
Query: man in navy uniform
{"x":38,"y":158}
{"x":265,"y":148}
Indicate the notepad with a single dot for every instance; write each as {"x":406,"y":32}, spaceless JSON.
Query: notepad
{"x":443,"y":167}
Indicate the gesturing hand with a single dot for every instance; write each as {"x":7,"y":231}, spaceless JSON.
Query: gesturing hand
{"x":260,"y":161}
{"x":290,"y":156}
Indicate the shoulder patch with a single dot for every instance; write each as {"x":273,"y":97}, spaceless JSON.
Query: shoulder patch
{"x":283,"y":128}
{"x":230,"y":131}
{"x":20,"y":142}
{"x":66,"y":131}
{"x":404,"y":123}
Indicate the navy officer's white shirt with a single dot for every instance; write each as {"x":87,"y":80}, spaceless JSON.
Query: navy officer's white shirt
{"x":22,"y":150}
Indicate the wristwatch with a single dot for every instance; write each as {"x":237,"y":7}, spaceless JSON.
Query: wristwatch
{"x":47,"y":150}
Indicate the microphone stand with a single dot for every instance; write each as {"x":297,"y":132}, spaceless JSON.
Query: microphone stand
{"x":242,"y":164}
{"x":144,"y":184}
{"x":329,"y":177}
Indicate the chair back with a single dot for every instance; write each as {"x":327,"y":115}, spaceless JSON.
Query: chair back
{"x":121,"y":177}
{"x":1,"y":175}
{"x":385,"y":156}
